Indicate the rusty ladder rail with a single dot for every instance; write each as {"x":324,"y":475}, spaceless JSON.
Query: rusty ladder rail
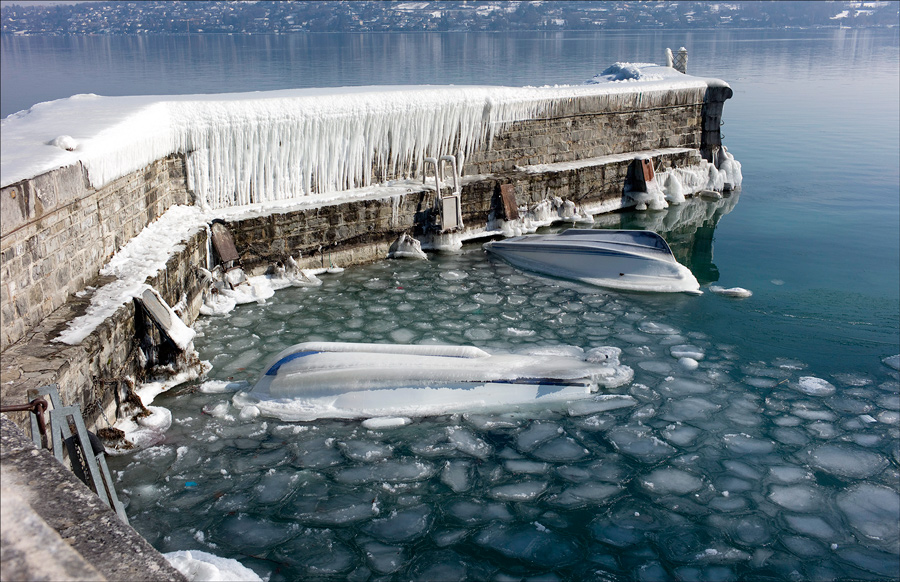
{"x":67,"y":427}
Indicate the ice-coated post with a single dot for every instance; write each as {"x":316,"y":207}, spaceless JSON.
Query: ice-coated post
{"x":681,"y":59}
{"x":670,"y":60}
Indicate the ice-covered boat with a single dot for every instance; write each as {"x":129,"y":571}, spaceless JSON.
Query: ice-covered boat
{"x":357,"y":380}
{"x":636,"y":260}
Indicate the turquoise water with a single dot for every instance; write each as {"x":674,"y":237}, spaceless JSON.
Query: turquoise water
{"x":743,"y":469}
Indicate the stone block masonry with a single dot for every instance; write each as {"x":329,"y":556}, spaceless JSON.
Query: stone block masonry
{"x":57,"y":233}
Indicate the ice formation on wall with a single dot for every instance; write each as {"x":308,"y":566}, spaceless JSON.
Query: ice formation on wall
{"x":262,"y":147}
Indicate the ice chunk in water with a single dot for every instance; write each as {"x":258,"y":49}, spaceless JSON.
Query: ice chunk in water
{"x":688,"y":409}
{"x":444,"y":565}
{"x":801,"y":498}
{"x":601,"y":403}
{"x":524,"y":466}
{"x":655,"y":366}
{"x":629,"y":522}
{"x":523,"y":491}
{"x":872,"y":510}
{"x":745,"y":444}
{"x":750,"y":530}
{"x":250,"y":534}
{"x":560,"y":450}
{"x":402,"y":525}
{"x":218,"y":410}
{"x":535,"y":434}
{"x":683,"y":387}
{"x":686,"y":351}
{"x":317,"y":454}
{"x":584,"y":494}
{"x":318,"y":552}
{"x":640,"y":443}
{"x":671,"y":481}
{"x":815,"y":386}
{"x":336,"y":510}
{"x":466,"y":442}
{"x":365,"y":451}
{"x":386,"y":422}
{"x":681,"y":435}
{"x":529,"y":543}
{"x":657,"y":328}
{"x":688,"y":364}
{"x":810,"y":526}
{"x":448,"y":537}
{"x":787,"y":474}
{"x":475,"y":511}
{"x":737,"y":292}
{"x":883,"y":564}
{"x":845,"y":460}
{"x":457,"y":475}
{"x":275,"y":486}
{"x":386,"y":471}
{"x":384,"y":558}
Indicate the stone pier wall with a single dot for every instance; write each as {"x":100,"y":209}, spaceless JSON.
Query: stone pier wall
{"x":57,"y":232}
{"x":590,"y":127}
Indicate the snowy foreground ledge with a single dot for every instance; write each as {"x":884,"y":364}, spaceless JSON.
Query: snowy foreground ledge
{"x":244,"y":148}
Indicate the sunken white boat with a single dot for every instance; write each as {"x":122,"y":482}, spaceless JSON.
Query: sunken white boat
{"x":634,"y":260}
{"x":357,"y":380}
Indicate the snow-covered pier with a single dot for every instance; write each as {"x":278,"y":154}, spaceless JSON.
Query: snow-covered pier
{"x":104,"y":197}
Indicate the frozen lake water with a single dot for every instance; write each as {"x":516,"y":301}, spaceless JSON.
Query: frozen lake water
{"x":759,"y":437}
{"x":720,"y":469}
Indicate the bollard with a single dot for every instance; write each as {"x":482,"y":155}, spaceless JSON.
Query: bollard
{"x":681,"y":59}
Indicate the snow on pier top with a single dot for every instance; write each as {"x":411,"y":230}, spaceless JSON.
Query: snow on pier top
{"x":244,"y":148}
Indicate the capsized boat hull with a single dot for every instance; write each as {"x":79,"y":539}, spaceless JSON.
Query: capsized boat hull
{"x":348,"y":380}
{"x":634,"y":260}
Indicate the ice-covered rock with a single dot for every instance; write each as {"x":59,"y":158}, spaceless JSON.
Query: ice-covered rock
{"x":406,"y":247}
{"x":199,"y":566}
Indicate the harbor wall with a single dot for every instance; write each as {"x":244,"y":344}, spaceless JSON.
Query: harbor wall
{"x":57,"y":232}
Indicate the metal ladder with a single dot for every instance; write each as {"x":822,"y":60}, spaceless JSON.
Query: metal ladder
{"x":450,"y":206}
{"x":88,"y":463}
